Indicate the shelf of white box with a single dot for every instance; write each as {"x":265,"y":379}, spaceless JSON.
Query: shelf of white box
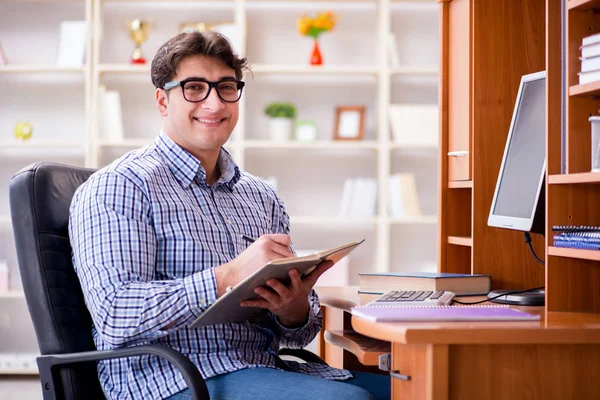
{"x":334,"y":222}
{"x":35,"y":68}
{"x":319,"y":144}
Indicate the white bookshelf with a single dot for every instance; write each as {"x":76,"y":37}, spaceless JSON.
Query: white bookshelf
{"x":357,"y":70}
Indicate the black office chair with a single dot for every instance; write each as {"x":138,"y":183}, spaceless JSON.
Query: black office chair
{"x":40,"y":196}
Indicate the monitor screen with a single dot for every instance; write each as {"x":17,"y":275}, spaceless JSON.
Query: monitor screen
{"x":521,"y":175}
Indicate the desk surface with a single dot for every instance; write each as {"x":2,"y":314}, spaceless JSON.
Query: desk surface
{"x":553,"y":327}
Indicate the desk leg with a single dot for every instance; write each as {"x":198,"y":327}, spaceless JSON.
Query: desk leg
{"x":333,"y":319}
{"x":427,"y":366}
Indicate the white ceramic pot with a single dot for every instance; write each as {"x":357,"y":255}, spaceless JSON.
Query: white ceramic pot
{"x":280,"y":129}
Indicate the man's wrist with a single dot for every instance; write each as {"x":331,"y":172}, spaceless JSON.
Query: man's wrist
{"x":295,"y":322}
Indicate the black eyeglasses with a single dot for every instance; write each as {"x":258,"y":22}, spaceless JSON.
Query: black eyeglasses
{"x":196,"y":90}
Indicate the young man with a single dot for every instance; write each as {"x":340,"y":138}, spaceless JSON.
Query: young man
{"x":157,"y":238}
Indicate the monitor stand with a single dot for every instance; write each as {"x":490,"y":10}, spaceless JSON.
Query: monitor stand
{"x":533,"y":298}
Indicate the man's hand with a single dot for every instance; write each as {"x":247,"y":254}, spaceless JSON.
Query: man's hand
{"x":266,"y":248}
{"x":288,"y":303}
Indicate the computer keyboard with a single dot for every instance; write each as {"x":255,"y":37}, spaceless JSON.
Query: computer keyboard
{"x":403,"y":298}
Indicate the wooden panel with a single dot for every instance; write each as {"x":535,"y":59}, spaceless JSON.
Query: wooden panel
{"x":458,"y":212}
{"x":592,"y":255}
{"x":460,"y":184}
{"x":587,"y":89}
{"x":573,"y":285}
{"x":553,"y":86}
{"x":459,"y":260}
{"x":437,"y":371}
{"x":524,"y":372}
{"x":366,"y":349}
{"x":502,"y":253}
{"x":583,"y":5}
{"x":460,"y":241}
{"x":459,"y":88}
{"x":584,"y":177}
{"x":427,"y":366}
{"x":443,"y":139}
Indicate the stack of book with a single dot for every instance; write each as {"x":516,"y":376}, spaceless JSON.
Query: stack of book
{"x":590,"y":59}
{"x":577,"y":237}
{"x":462,"y":284}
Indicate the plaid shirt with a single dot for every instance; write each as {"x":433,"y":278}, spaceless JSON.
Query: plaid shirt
{"x":147,"y":233}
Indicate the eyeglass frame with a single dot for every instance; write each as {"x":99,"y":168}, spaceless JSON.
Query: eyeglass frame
{"x":173,"y":84}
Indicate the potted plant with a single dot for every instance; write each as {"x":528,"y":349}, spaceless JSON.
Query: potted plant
{"x":281,"y":120}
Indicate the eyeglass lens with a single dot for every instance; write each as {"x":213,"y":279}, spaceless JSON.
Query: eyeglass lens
{"x":198,"y":91}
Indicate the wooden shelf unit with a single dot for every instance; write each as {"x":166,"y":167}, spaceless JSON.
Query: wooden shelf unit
{"x":572,"y":195}
{"x":571,"y":276}
{"x":477,"y":40}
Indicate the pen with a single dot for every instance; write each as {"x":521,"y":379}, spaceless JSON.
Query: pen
{"x":247,"y":238}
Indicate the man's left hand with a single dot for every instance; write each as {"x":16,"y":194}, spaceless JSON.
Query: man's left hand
{"x":288,"y":303}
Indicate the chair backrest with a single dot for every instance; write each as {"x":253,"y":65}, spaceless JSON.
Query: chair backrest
{"x":40,"y":197}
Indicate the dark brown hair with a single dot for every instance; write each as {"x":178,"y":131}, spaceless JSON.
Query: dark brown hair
{"x":211,"y":44}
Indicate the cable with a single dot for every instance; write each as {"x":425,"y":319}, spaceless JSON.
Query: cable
{"x":527,"y":238}
{"x":500,"y":295}
{"x":528,"y":241}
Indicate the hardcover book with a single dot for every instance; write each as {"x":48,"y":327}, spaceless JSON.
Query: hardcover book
{"x":461,"y":284}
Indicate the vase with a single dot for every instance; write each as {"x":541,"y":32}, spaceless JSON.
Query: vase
{"x":280,"y":129}
{"x":316,"y":58}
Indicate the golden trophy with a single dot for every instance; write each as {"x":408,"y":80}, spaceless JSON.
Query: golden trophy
{"x":138,"y":32}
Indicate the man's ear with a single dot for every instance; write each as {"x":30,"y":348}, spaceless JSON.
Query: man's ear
{"x":162,"y":101}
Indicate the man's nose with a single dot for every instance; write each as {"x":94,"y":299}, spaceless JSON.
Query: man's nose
{"x":213,"y":101}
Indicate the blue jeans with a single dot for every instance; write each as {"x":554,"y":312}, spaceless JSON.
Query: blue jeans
{"x":267,"y":383}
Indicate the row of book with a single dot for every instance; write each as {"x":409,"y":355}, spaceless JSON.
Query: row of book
{"x":359,"y":197}
{"x":590,"y":59}
{"x":577,"y":237}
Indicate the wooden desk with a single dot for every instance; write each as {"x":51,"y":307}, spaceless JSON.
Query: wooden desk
{"x":555,"y":358}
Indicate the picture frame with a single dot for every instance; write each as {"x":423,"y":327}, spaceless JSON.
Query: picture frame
{"x":349,"y":123}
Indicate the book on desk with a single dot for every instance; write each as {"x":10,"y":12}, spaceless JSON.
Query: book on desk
{"x":441,"y":313}
{"x":461,"y":284}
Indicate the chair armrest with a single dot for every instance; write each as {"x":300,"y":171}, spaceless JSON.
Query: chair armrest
{"x":302,"y":354}
{"x":190,"y":373}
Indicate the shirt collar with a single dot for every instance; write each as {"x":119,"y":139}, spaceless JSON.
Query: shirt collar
{"x":186,"y":167}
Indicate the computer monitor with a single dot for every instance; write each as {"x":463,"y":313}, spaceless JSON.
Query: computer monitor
{"x":519,"y":199}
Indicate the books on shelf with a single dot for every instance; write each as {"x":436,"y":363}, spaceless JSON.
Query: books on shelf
{"x":461,"y":284}
{"x":590,"y":59}
{"x":442,"y":313}
{"x":403,"y":196}
{"x":414,"y":125}
{"x":111,"y":119}
{"x":71,"y":47}
{"x":359,"y":197}
{"x":577,"y":236}
{"x":588,"y":77}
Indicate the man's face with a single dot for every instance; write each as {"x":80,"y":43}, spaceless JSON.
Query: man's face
{"x":200,"y":128}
